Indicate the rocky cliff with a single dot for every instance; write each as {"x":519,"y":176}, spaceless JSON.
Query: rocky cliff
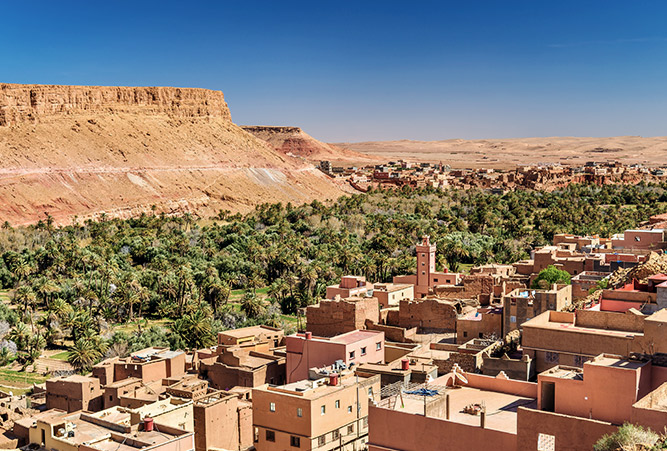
{"x":87,"y":151}
{"x":39,"y":103}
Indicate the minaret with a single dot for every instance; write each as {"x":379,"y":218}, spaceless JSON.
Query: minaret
{"x":425,"y":266}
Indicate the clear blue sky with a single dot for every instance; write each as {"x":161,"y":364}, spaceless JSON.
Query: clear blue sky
{"x":367,"y":70}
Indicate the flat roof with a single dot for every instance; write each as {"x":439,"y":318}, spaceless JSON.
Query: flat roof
{"x":589,"y":330}
{"x":355,"y":336}
{"x":151,"y":438}
{"x":616,"y":361}
{"x":247,"y":331}
{"x":501,"y":408}
{"x":304,"y":388}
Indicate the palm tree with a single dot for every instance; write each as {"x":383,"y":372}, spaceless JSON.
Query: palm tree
{"x":83,"y":354}
{"x":251,"y":305}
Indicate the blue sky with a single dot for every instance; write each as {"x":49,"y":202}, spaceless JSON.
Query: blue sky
{"x":367,"y":70}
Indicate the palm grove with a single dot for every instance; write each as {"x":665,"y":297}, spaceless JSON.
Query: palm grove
{"x":72,"y":284}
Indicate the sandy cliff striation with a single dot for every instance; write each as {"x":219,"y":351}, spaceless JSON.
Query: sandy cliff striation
{"x":84,"y":151}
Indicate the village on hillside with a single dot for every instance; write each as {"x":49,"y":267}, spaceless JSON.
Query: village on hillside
{"x":550,"y":352}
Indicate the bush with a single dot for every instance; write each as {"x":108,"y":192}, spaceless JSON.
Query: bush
{"x":628,"y":436}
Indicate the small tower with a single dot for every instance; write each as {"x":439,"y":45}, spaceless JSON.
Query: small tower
{"x":425,"y":266}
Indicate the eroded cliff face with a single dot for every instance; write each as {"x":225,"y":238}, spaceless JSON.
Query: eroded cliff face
{"x":38,"y":103}
{"x":86,"y":151}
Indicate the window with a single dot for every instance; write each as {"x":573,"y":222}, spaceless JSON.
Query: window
{"x":349,"y":409}
{"x":638,"y":238}
{"x":423,"y":255}
{"x":256,"y":435}
{"x":546,"y":442}
{"x":321,"y":440}
{"x":552,"y":357}
{"x":295,"y":441}
{"x":365,"y":422}
{"x":423,"y":263}
{"x":481,"y":335}
{"x":335,"y":434}
{"x":435,"y":280}
{"x":272,"y":406}
{"x":423,"y":273}
{"x":299,"y":412}
{"x":363,"y":351}
{"x":579,"y":360}
{"x":350,"y":429}
{"x":351,"y":355}
{"x":370,"y":391}
{"x":512,"y":319}
{"x":465,"y":333}
{"x":378,"y":346}
{"x":323,"y":410}
{"x":513,"y":301}
{"x":110,"y":398}
{"x":270,"y":436}
{"x":337,"y":404}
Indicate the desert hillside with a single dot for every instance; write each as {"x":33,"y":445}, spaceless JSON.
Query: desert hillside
{"x":84,"y":151}
{"x":508,"y":153}
{"x":293,"y":141}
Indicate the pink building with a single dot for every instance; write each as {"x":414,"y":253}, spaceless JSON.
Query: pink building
{"x":304,"y":351}
{"x":569,"y":409}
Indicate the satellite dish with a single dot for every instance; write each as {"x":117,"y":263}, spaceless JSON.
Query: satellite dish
{"x":461,"y":378}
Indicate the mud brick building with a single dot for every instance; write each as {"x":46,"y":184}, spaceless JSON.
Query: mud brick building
{"x":562,"y":338}
{"x":72,"y":393}
{"x":522,"y":304}
{"x":334,"y":317}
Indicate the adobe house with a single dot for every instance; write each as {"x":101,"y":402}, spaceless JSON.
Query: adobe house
{"x":79,"y":431}
{"x":349,"y":286}
{"x":327,"y":412}
{"x":254,"y":334}
{"x":389,"y":294}
{"x":523,"y":304}
{"x":562,"y":338}
{"x":582,"y":283}
{"x":562,"y":411}
{"x":246,"y":365}
{"x":305,"y":351}
{"x":640,"y":239}
{"x":73,"y":393}
{"x":329,"y":318}
{"x":482,"y":322}
{"x":222,"y":421}
{"x":149,"y":364}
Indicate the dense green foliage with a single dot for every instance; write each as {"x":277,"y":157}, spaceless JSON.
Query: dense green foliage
{"x":72,"y":282}
{"x":550,"y":275}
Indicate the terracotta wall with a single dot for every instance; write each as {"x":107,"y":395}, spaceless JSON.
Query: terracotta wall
{"x":569,"y":433}
{"x":394,"y":430}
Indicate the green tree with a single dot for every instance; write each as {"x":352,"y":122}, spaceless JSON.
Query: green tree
{"x":550,"y":275}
